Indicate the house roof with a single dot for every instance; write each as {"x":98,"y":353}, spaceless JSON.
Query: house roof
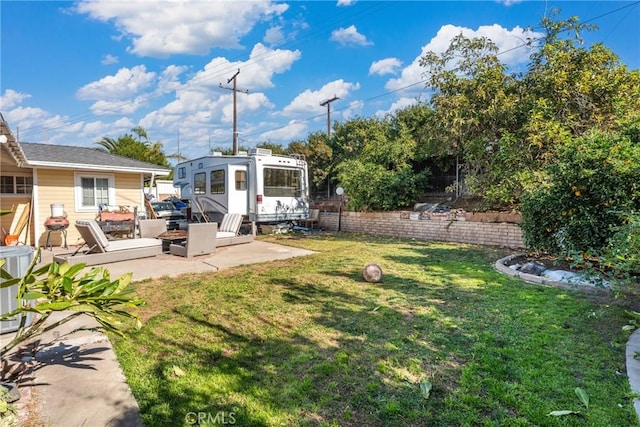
{"x":70,"y":157}
{"x":26,"y":154}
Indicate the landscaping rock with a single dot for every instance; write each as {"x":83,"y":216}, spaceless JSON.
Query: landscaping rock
{"x":534,"y":267}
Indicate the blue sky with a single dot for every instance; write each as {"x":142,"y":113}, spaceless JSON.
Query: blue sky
{"x":74,"y":72}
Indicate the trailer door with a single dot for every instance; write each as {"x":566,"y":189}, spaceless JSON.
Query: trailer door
{"x":283,"y":196}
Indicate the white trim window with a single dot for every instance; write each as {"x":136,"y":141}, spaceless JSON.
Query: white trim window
{"x":94,"y":190}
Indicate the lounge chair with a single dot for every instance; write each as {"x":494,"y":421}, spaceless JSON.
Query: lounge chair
{"x":229,"y":231}
{"x":314,"y":215}
{"x":101,"y":250}
{"x":201,"y":240}
{"x":152,"y":228}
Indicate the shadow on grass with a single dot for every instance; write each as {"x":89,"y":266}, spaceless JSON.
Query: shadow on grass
{"x":322,"y":346}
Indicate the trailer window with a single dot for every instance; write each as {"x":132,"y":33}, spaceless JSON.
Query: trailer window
{"x":199,"y":183}
{"x":217,"y":182}
{"x":182,"y":172}
{"x":282,"y":182}
{"x":241,"y":180}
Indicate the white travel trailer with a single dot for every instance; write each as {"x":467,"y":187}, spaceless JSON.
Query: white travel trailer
{"x":263,"y":187}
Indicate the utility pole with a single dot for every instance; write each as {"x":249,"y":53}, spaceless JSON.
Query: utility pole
{"x":235,"y":111}
{"x":327,"y":103}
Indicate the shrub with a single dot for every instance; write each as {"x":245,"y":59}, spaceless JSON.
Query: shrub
{"x":622,"y":254}
{"x":372,"y":186}
{"x":587,"y":195}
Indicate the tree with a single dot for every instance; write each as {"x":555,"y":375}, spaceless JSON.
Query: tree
{"x":570,"y":90}
{"x":507,"y":128}
{"x":139,"y":149}
{"x":474,"y":107}
{"x":590,"y":191}
{"x":373,"y":159}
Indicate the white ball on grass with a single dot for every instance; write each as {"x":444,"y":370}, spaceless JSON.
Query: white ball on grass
{"x":372,"y":273}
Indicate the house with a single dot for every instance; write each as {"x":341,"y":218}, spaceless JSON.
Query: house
{"x":79,"y":179}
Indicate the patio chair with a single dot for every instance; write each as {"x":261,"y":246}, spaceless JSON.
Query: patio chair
{"x":201,"y":240}
{"x":152,"y":228}
{"x":314,"y":215}
{"x":101,"y":250}
{"x":229,"y":231}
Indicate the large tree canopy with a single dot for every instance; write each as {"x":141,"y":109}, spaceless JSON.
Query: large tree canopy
{"x":138,"y":148}
{"x":506,"y":128}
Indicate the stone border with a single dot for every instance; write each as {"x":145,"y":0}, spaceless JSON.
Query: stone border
{"x":532,"y":278}
{"x":633,"y":344}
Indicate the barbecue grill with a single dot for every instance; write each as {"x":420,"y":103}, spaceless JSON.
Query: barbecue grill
{"x":56,"y":223}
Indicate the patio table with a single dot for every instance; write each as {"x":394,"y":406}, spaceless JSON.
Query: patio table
{"x":172,"y":237}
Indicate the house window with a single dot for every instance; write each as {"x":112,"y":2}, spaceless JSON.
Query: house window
{"x":241,"y":180}
{"x":10,"y":184}
{"x":200,"y":183}
{"x":217,"y":182}
{"x":91,"y":191}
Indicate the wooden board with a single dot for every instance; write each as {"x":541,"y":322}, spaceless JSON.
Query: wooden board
{"x":20,"y":219}
{"x":149,"y":208}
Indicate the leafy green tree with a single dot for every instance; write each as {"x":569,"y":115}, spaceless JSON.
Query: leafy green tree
{"x":587,"y":195}
{"x":570,"y":90}
{"x":373,"y":159}
{"x":473,"y":113}
{"x":138,"y":148}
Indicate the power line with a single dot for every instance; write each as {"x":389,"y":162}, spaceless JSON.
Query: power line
{"x":220,"y":72}
{"x":210,"y":76}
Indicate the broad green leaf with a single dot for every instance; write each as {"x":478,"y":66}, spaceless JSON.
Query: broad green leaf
{"x":9,"y":282}
{"x":33,"y":295}
{"x":55,"y":306}
{"x":425,"y":388}
{"x":562,"y":413}
{"x":583,"y":396}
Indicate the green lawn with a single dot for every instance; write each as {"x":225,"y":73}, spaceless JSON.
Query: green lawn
{"x":306,"y":341}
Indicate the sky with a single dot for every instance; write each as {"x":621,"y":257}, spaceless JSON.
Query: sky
{"x":72,"y":73}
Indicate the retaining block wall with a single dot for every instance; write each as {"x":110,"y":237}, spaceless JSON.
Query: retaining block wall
{"x":449,"y":227}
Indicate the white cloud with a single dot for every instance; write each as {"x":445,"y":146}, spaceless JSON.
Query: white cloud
{"x":100,"y":108}
{"x":256,"y":73}
{"x":509,"y":2}
{"x":292,"y":131}
{"x":308,"y":102}
{"x":273,"y":36}
{"x":353,"y":110}
{"x":125,"y":83}
{"x":349,"y":37}
{"x":12,"y":98}
{"x":385,"y":66}
{"x":181,"y":27}
{"x":511,"y":42}
{"x":168,"y":80}
{"x":109,"y":59}
{"x":346,"y":2}
{"x":398,"y":105}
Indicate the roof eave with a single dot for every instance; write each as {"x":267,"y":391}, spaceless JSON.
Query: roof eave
{"x":58,"y":165}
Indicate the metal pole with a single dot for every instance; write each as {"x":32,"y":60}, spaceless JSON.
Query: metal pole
{"x":327,"y":103}
{"x":340,"y":215}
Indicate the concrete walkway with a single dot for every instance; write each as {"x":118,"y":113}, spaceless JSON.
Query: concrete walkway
{"x":74,"y":378}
